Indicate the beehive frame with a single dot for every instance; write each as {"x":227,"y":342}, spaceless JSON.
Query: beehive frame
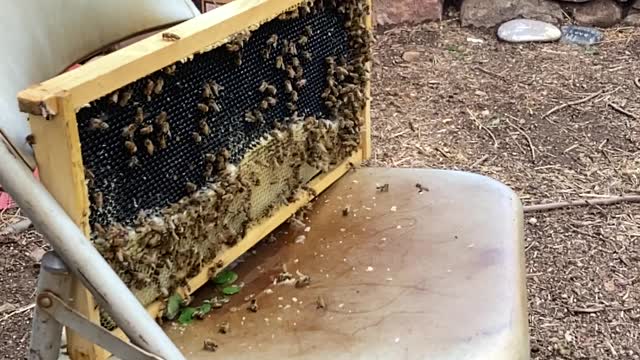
{"x":52,"y":106}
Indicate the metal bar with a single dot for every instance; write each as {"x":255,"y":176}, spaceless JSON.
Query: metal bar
{"x":83,"y":259}
{"x":70,"y":318}
{"x":46,"y":331}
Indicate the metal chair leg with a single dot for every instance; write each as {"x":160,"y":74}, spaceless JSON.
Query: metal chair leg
{"x":46,"y":332}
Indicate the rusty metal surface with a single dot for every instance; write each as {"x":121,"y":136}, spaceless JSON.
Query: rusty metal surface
{"x":405,"y":275}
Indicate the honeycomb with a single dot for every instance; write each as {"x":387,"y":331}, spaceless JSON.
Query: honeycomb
{"x":179,"y":164}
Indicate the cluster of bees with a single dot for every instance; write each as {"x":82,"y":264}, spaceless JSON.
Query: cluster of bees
{"x":170,"y":245}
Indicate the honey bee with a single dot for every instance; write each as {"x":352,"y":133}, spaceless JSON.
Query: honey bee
{"x":299,"y":72}
{"x":232,"y":47}
{"x":287,"y":86}
{"x":139,"y":117}
{"x":292,"y":107}
{"x":225,"y":154}
{"x":210,"y":158}
{"x":216,"y":88}
{"x":271,"y":101}
{"x":258,"y":115}
{"x":301,"y":83}
{"x":148,"y":144}
{"x":170,"y":70}
{"x":148,"y":88}
{"x":162,"y":142}
{"x":98,"y":200}
{"x":224,"y":327}
{"x":263,"y":86}
{"x":294,"y":96}
{"x":264,"y":104}
{"x":290,"y":72}
{"x":295,"y":61}
{"x":303,"y":40}
{"x":146,"y":130}
{"x":133,"y":162}
{"x":214,"y":105}
{"x":271,"y":90}
{"x":238,"y":59}
{"x":273,"y":40}
{"x":266,"y":52}
{"x":99,"y":229}
{"x":128,"y":131}
{"x":345,"y":211}
{"x":306,"y":55}
{"x":206,"y":91}
{"x":204,"y":128}
{"x":320,"y":303}
{"x":253,"y":305}
{"x":292,"y":49}
{"x":248,"y":117}
{"x":208,"y":170}
{"x":159,"y":84}
{"x":161,"y":118}
{"x":196,"y":137}
{"x":126,"y":96}
{"x":131,"y":147}
{"x":280,"y":63}
{"x":169,"y":36}
{"x":30,"y":139}
{"x":164,"y":128}
{"x":202,"y":107}
{"x":383,"y":188}
{"x":308,"y":31}
{"x":113,"y":97}
{"x":95,"y":124}
{"x":190,"y":187}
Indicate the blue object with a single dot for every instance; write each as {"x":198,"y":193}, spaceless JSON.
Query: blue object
{"x":581,"y":35}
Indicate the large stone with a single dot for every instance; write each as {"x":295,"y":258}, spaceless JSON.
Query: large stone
{"x":601,"y":13}
{"x":633,"y":18}
{"x":489,"y":13}
{"x":525,"y":30}
{"x":581,"y":35}
{"x":390,"y":12}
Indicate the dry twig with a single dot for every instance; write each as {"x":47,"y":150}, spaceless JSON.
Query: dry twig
{"x":560,"y":107}
{"x":19,"y":311}
{"x":533,"y":149}
{"x":475,"y":119}
{"x":565,"y":204}
{"x":619,"y":109}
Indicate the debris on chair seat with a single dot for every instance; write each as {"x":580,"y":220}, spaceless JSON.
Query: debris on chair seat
{"x":369,"y":269}
{"x":284,"y":277}
{"x":253,"y":305}
{"x":169,"y":36}
{"x":224,"y":327}
{"x":346,"y":210}
{"x":421,"y":188}
{"x":210,"y":345}
{"x":394,"y":208}
{"x":300,"y":239}
{"x":303,"y":280}
{"x":320,"y":303}
{"x":383,"y":188}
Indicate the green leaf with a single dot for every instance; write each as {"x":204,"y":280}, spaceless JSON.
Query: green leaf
{"x":173,"y":306}
{"x":231,"y":290}
{"x":225,"y":277}
{"x":203,"y":310}
{"x":186,"y":315}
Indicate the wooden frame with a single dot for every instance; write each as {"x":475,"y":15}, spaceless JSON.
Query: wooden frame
{"x":52,"y":106}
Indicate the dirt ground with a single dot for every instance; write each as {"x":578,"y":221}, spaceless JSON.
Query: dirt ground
{"x":459,"y":99}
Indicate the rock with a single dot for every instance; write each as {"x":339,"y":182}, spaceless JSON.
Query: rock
{"x":37,"y":254}
{"x":525,"y":30}
{"x":633,"y":18}
{"x":391,"y":12}
{"x":489,"y":13}
{"x":581,"y":35}
{"x":601,"y":13}
{"x":410,"y":56}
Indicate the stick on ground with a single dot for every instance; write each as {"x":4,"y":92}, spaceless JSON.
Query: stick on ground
{"x":565,"y":204}
{"x":560,"y":107}
{"x":531,"y":147}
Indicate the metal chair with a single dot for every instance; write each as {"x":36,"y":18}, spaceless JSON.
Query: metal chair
{"x":431,"y":271}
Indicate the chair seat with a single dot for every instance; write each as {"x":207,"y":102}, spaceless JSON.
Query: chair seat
{"x":403,"y":275}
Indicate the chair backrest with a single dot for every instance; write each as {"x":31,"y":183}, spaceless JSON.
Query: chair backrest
{"x":42,"y":38}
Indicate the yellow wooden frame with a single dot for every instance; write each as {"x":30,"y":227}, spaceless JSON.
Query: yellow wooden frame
{"x":52,"y":106}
